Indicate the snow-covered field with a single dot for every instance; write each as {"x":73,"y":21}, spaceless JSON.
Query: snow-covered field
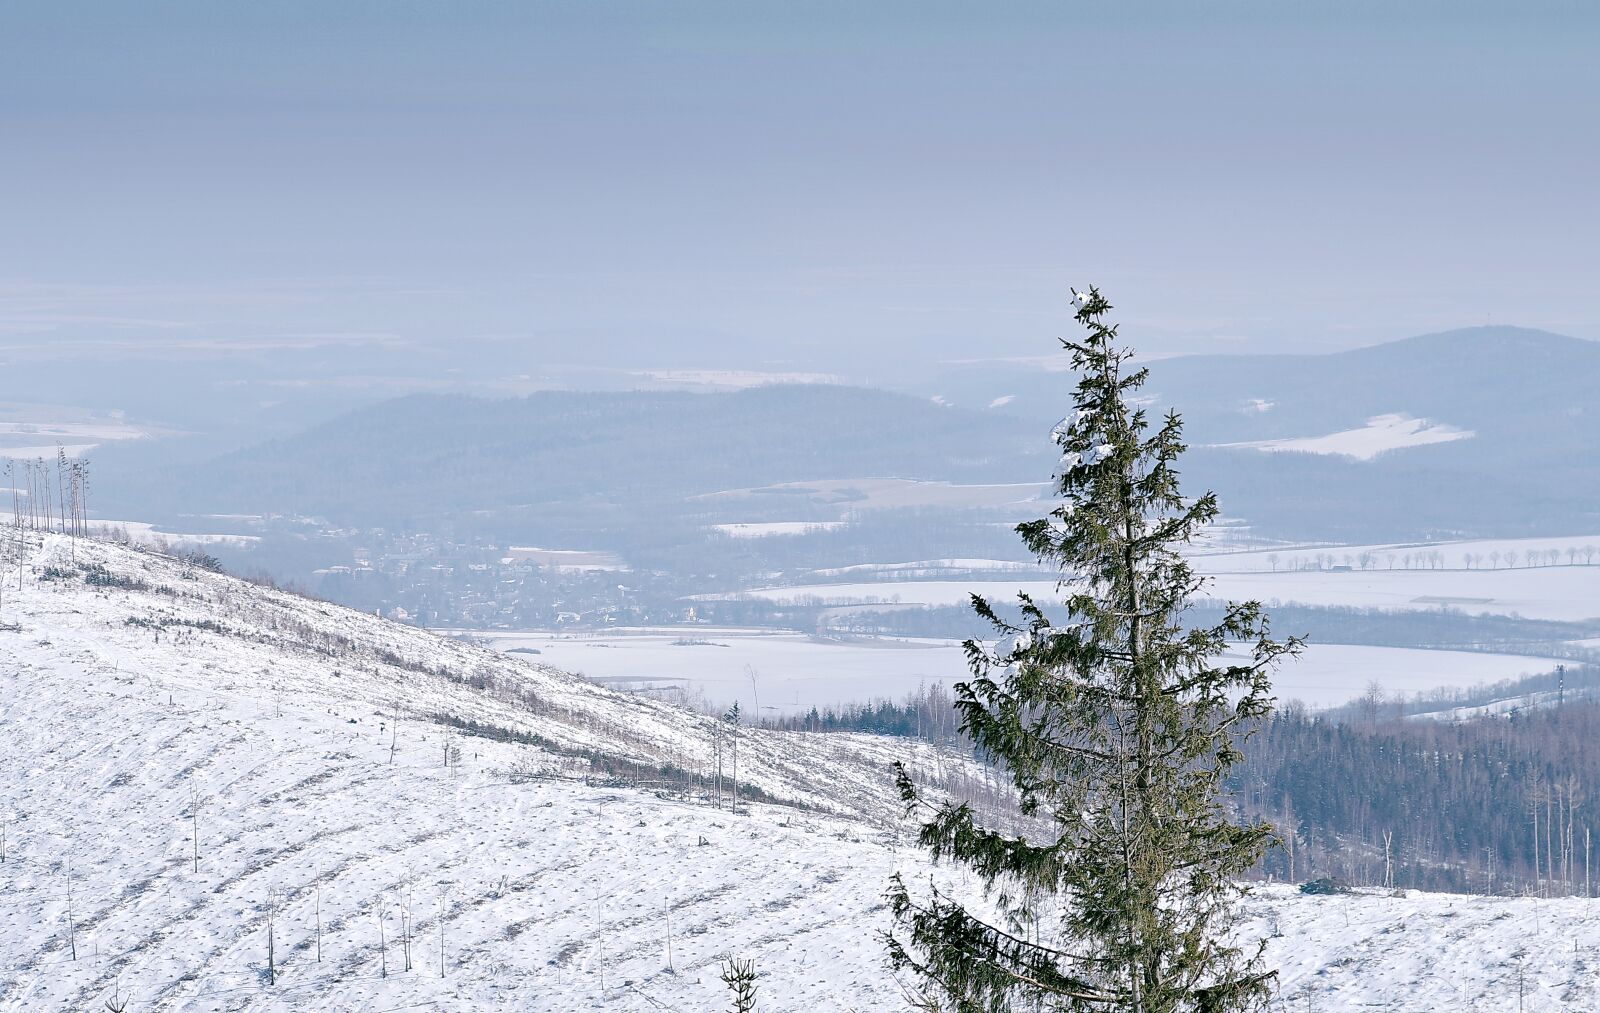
{"x":769,"y":529}
{"x":1476,"y":554}
{"x":148,"y":534}
{"x":1544,"y":592}
{"x":29,"y":431}
{"x":794,"y":672}
{"x":925,"y":566}
{"x":1556,"y":592}
{"x":1381,"y":434}
{"x":565,"y":560}
{"x":189,"y":707}
{"x":899,"y":493}
{"x":1331,"y":674}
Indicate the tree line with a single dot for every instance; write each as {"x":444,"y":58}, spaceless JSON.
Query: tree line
{"x":1493,"y":804}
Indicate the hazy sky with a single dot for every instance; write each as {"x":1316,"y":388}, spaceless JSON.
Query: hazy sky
{"x":697,"y":184}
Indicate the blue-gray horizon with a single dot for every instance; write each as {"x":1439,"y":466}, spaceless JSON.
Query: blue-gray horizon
{"x":762,"y":184}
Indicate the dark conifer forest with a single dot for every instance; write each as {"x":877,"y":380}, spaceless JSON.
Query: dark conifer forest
{"x":1494,"y":803}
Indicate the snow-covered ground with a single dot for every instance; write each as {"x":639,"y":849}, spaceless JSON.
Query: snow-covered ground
{"x":124,"y":705}
{"x":1428,"y":953}
{"x":926,"y":565}
{"x":28,"y":432}
{"x":189,"y":707}
{"x":794,"y":672}
{"x":1475,"y":554}
{"x":565,"y":560}
{"x":1328,"y":675}
{"x":1545,"y":592}
{"x":1381,"y":434}
{"x":901,"y":493}
{"x":146,"y":533}
{"x":768,"y":529}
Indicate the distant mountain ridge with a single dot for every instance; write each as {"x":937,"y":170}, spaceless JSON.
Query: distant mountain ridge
{"x":1452,"y":372}
{"x":1508,"y":418}
{"x":1468,"y":378}
{"x":1529,"y":398}
{"x":430,"y":456}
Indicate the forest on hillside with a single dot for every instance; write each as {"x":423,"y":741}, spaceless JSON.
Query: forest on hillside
{"x":1495,"y":804}
{"x":1368,"y":796}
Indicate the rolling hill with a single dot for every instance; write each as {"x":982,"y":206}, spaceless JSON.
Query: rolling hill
{"x":203,"y":755}
{"x":1476,"y":432}
{"x":1472,"y":433}
{"x":422,"y":458}
{"x":220,"y":797}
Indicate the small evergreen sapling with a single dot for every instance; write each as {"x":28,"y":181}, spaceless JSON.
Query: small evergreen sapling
{"x":740,"y":977}
{"x":1116,"y":726}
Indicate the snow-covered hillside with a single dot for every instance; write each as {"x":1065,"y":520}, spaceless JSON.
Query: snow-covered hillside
{"x":184,"y":631}
{"x":193,"y":765}
{"x":154,"y":711}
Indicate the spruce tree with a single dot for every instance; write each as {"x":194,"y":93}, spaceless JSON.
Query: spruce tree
{"x":1117,"y":725}
{"x":740,"y":977}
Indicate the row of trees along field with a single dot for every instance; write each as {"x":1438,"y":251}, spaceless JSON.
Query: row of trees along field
{"x":1437,"y":559}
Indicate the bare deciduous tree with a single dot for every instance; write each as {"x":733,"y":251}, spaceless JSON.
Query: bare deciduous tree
{"x":272,"y":920}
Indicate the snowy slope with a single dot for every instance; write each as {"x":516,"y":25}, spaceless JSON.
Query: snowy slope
{"x":555,"y":891}
{"x":277,"y":720}
{"x":214,"y":635}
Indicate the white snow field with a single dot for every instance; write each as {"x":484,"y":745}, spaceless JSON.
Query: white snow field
{"x":1540,"y":592}
{"x":795,"y":672}
{"x":768,"y":529}
{"x":892,"y":493}
{"x":1327,"y":675}
{"x":158,"y":707}
{"x":277,"y":713}
{"x":1462,"y":554}
{"x":565,"y":560}
{"x":1381,"y":434}
{"x":30,"y":431}
{"x":148,"y":534}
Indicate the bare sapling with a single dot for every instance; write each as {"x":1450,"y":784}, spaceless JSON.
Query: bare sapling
{"x":383,"y":947}
{"x":72,"y":925}
{"x":272,"y":918}
{"x":668,"y":912}
{"x":194,"y":823}
{"x":394,"y":732}
{"x":319,"y":917}
{"x":443,"y":896}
